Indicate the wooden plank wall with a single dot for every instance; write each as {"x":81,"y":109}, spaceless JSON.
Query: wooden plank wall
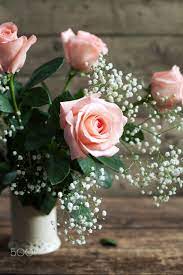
{"x":142,"y":35}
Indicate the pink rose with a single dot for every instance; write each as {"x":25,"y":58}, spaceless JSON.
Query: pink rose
{"x":91,"y":126}
{"x":82,"y":50}
{"x":167,"y":88}
{"x":13,"y":49}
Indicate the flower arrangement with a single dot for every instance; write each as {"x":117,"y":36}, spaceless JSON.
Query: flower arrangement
{"x":67,"y":148}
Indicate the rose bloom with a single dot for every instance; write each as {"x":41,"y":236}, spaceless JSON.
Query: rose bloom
{"x":82,"y":50}
{"x":13,"y":49}
{"x":91,"y":126}
{"x":167,"y":88}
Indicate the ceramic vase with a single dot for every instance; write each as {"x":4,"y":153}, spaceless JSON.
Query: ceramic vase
{"x":33,"y":233}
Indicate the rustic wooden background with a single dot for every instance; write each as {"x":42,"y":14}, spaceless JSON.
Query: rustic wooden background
{"x":143,"y":36}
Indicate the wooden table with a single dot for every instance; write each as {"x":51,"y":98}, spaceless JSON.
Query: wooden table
{"x":150,"y":241}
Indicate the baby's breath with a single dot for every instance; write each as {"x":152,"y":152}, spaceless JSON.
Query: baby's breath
{"x":82,"y":208}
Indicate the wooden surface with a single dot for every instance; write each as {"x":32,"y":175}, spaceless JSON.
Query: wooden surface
{"x":150,"y":241}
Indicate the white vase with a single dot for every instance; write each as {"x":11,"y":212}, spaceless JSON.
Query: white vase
{"x":33,"y":233}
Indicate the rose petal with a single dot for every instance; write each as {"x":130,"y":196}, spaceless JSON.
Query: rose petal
{"x":19,"y":60}
{"x":75,"y":150}
{"x":167,"y":88}
{"x":82,"y":54}
{"x":96,"y":126}
{"x":9,"y":50}
{"x":82,"y":50}
{"x":102,"y":47}
{"x":102,"y":153}
{"x":8,"y":32}
{"x":65,"y":108}
{"x":75,"y":105}
{"x":65,"y":37}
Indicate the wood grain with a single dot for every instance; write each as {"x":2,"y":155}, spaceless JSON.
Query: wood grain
{"x":138,"y":252}
{"x":132,"y":17}
{"x":129,"y":213}
{"x":149,"y":242}
{"x":141,"y":55}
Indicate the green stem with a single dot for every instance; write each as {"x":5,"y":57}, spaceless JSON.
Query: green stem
{"x":12,"y":92}
{"x":145,"y":99}
{"x":124,"y":144}
{"x":167,"y":130}
{"x":148,"y":131}
{"x":13,"y":98}
{"x":72,"y":73}
{"x":144,"y":121}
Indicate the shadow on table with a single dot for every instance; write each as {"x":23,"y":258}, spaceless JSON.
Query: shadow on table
{"x":4,"y":243}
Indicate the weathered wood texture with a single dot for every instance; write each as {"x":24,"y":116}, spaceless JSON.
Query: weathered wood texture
{"x":98,"y":16}
{"x":141,"y":55}
{"x":142,"y":35}
{"x":149,"y":242}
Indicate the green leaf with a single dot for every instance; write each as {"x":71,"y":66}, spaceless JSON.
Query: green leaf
{"x":18,"y":142}
{"x":64,"y":185}
{"x":58,"y":167}
{"x":108,"y":242}
{"x":4,"y":167}
{"x":54,"y":110}
{"x":86,"y":166}
{"x":128,"y":129}
{"x":5,"y":105}
{"x":35,"y":97}
{"x":43,"y":201}
{"x":26,"y":113}
{"x":9,"y":178}
{"x":47,"y":203}
{"x":37,"y":134}
{"x":79,"y":94}
{"x":37,"y":138}
{"x":44,"y":71}
{"x":107,"y":182}
{"x":112,"y":162}
{"x":47,"y":91}
{"x":82,"y":210}
{"x":6,"y":179}
{"x":18,"y":87}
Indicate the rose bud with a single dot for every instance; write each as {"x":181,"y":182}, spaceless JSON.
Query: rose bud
{"x":13,"y":49}
{"x":82,"y":50}
{"x":167,"y":88}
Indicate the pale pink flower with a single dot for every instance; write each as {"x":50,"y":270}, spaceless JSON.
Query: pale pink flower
{"x":167,"y":88}
{"x":91,"y":126}
{"x":13,"y":49}
{"x":82,"y":50}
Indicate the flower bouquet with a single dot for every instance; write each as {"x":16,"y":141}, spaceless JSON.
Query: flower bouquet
{"x":65,"y":149}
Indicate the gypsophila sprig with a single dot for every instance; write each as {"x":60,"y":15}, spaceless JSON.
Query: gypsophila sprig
{"x":4,"y":79}
{"x":82,"y":208}
{"x":164,"y":171}
{"x":116,"y":87}
{"x":26,"y":165}
{"x":143,"y":135}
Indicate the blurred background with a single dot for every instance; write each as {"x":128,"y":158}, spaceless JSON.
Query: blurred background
{"x":143,"y":36}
